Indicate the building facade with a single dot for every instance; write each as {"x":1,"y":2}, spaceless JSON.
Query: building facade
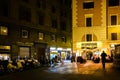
{"x":95,"y":25}
{"x":35,"y":28}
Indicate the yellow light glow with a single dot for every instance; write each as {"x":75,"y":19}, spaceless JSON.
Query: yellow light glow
{"x":78,"y":45}
{"x":4,"y":31}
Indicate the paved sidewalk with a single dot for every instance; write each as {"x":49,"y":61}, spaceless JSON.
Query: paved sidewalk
{"x":87,"y":71}
{"x":68,"y":71}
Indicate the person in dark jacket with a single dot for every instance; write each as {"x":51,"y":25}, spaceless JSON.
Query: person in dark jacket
{"x":103,"y":56}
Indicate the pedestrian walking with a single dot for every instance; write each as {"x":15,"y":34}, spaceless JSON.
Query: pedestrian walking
{"x":62,"y":62}
{"x":103,"y":56}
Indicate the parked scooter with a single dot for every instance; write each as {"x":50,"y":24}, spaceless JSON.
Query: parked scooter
{"x":13,"y":68}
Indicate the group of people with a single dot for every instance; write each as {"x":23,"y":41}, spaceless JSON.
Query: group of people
{"x":22,"y":63}
{"x":104,"y":58}
{"x":55,"y":60}
{"x":95,"y":58}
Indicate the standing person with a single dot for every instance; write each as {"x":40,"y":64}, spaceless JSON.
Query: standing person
{"x":103,"y":56}
{"x":73,"y":58}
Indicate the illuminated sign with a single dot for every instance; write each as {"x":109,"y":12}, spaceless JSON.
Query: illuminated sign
{"x":89,"y":45}
{"x":5,"y":47}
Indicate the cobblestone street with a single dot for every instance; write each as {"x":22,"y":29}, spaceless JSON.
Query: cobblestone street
{"x":68,"y":71}
{"x":86,"y":68}
{"x":87,"y":71}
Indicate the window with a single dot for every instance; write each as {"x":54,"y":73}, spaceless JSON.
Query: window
{"x":113,"y":36}
{"x":88,"y":5}
{"x":114,"y":20}
{"x":26,"y":1}
{"x":89,"y":37}
{"x":88,"y":22}
{"x":54,"y":23}
{"x":41,"y":17}
{"x":4,"y":8}
{"x":40,"y":36}
{"x":25,"y":14}
{"x":24,"y":34}
{"x":41,"y":4}
{"x":38,"y":3}
{"x":3,"y":30}
{"x":63,"y":39}
{"x":113,"y":2}
{"x":63,"y":13}
{"x":63,"y":2}
{"x":53,"y":9}
{"x":63,"y":26}
{"x":53,"y":37}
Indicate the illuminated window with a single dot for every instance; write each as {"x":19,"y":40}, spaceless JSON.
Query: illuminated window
{"x":40,"y":36}
{"x":3,"y":30}
{"x":24,"y":34}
